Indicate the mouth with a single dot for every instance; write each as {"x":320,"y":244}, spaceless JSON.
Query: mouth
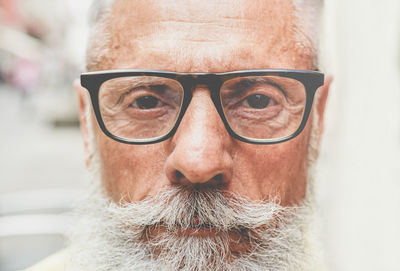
{"x":196,"y":224}
{"x":201,"y":226}
{"x":197,"y":230}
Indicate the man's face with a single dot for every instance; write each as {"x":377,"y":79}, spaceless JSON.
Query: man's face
{"x":210,"y":37}
{"x":206,"y":36}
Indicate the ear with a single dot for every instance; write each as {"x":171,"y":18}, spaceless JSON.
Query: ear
{"x":82,"y":96}
{"x":322,"y":98}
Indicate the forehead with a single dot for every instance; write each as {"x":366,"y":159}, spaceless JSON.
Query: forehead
{"x":203,"y":36}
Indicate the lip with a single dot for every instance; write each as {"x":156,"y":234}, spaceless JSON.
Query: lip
{"x":197,"y":229}
{"x":200,"y":231}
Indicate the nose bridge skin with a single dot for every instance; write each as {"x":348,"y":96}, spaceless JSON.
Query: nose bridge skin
{"x":200,"y":147}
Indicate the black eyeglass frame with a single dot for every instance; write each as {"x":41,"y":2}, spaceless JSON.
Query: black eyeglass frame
{"x":311,"y":81}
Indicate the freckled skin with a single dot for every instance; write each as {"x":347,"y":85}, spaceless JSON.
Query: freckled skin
{"x":204,"y":36}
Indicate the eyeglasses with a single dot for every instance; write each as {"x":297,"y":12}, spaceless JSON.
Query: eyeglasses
{"x":256,"y":106}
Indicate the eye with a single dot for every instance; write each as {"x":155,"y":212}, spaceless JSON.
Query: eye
{"x":146,"y":102}
{"x":257,"y":101}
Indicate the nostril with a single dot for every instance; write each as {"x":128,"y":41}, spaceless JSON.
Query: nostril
{"x":216,"y":180}
{"x":218,"y":177}
{"x":178,"y":175}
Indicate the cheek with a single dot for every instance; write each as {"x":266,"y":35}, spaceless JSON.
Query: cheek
{"x":273,"y":170}
{"x":130,"y":172}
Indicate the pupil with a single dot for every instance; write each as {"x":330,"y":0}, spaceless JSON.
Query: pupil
{"x":147,"y":102}
{"x":258,"y":101}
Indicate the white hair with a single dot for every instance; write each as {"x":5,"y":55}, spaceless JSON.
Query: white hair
{"x":98,"y":9}
{"x":308,"y":27}
{"x":99,"y":35}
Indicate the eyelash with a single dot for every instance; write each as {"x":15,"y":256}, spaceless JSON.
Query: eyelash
{"x":157,"y":105}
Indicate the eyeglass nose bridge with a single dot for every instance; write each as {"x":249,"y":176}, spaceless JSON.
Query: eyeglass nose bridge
{"x":213,"y":82}
{"x":190,"y":81}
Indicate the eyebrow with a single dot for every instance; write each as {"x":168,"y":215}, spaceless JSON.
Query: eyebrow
{"x":245,"y":83}
{"x":137,"y":82}
{"x":155,"y":87}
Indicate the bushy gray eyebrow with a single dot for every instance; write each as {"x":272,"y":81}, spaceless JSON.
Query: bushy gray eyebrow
{"x":245,"y":83}
{"x":156,"y":87}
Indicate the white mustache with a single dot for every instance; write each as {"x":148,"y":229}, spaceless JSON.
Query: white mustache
{"x":193,"y":207}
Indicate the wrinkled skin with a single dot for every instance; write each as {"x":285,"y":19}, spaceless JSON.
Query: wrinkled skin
{"x":204,"y":36}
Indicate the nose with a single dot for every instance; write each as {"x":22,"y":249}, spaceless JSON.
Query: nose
{"x":201,"y":146}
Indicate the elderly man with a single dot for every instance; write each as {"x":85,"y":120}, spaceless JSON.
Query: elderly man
{"x":201,"y":135}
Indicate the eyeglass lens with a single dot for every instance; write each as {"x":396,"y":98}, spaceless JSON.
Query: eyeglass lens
{"x":140,"y":107}
{"x":256,"y":107}
{"x":263,"y":107}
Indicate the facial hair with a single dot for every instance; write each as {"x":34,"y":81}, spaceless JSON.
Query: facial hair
{"x":148,"y":235}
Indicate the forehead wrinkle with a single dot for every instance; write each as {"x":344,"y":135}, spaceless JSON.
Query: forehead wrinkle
{"x":217,"y":41}
{"x":205,"y":31}
{"x":189,"y":57}
{"x":163,"y":20}
{"x":203,"y":10}
{"x":206,"y":56}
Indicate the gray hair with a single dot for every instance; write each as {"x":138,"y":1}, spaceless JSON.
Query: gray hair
{"x":99,"y":35}
{"x":98,"y":9}
{"x":307,"y":30}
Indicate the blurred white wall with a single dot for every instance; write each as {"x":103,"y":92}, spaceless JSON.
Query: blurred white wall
{"x":359,"y":170}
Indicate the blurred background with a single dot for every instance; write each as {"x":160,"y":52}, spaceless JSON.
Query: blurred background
{"x":42,"y":44}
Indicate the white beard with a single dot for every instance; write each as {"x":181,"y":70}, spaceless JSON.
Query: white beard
{"x":110,"y":236}
{"x":120,"y":236}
